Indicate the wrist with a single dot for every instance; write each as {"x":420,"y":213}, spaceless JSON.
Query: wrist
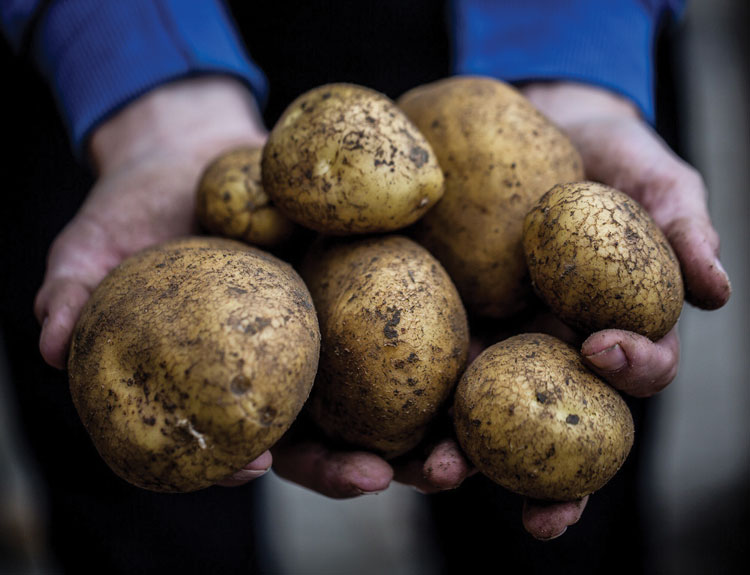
{"x":194,"y":119}
{"x":568,"y":103}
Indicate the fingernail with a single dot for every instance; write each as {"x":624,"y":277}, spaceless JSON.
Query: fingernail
{"x":361,"y":492}
{"x":609,"y":360}
{"x":554,"y":536}
{"x":717,"y":264}
{"x":249,"y":474}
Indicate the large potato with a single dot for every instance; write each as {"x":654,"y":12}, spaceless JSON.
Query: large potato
{"x":191,"y":359}
{"x":499,"y":155}
{"x":231,"y":201}
{"x":532,"y":418}
{"x":599,"y":261}
{"x":343,"y":159}
{"x":394,"y":341}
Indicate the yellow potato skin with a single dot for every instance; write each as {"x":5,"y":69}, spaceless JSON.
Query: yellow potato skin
{"x":533,"y":419}
{"x":191,"y":359}
{"x":599,"y":261}
{"x":231,"y":202}
{"x":343,"y":159}
{"x":498,"y":155}
{"x":395,"y":341}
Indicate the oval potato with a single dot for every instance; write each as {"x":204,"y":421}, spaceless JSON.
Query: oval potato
{"x":395,"y":340}
{"x":498,"y":155}
{"x":534,"y":419}
{"x":343,"y":159}
{"x":231,"y":202}
{"x":599,"y":261}
{"x":191,"y":359}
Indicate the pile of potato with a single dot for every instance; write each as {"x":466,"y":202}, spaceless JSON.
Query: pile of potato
{"x":194,"y":357}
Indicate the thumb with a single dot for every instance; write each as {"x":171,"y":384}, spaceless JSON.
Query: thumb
{"x":696,"y":244}
{"x":57,"y":307}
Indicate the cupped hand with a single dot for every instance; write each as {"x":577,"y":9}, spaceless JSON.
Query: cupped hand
{"x":148,"y":160}
{"x":620,"y":149}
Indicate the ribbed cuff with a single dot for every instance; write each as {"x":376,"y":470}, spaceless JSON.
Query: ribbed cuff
{"x":98,"y":56}
{"x":609,"y":44}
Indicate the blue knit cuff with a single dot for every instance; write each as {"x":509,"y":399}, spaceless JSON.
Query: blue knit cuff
{"x":98,"y":56}
{"x":609,"y":44}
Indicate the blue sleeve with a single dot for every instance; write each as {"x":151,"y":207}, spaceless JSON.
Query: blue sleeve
{"x":607,"y":43}
{"x":98,"y":56}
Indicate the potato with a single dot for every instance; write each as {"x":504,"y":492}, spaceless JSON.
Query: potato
{"x":343,"y":159}
{"x":599,"y":261}
{"x":191,"y":359}
{"x":533,"y":419}
{"x":394,"y":341}
{"x":231,"y":202}
{"x":499,"y":155}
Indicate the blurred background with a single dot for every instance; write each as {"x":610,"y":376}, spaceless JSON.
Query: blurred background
{"x":696,"y":489}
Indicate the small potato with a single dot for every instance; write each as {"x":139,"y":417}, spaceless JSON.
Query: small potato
{"x":499,"y":155}
{"x":394,"y":341}
{"x":343,"y":159}
{"x":533,"y":419}
{"x":191,"y":359}
{"x":599,"y":261}
{"x":231,"y":202}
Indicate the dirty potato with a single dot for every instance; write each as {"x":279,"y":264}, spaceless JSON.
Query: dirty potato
{"x":231,"y":202}
{"x":394,"y":341}
{"x":343,"y":159}
{"x":599,"y":261}
{"x":191,"y":359}
{"x":499,"y":155}
{"x":533,"y":419}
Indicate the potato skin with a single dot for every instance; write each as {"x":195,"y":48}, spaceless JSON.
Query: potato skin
{"x":191,"y":359}
{"x":498,"y":155}
{"x":231,"y":202}
{"x":533,"y":419}
{"x":395,"y":341}
{"x":599,"y":261}
{"x":343,"y":159}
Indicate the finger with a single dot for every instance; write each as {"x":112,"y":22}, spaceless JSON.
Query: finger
{"x":57,"y":307}
{"x":696,"y":244}
{"x":256,"y":468}
{"x":337,"y":474}
{"x":447,"y":466}
{"x":412,"y":472}
{"x":545,"y":520}
{"x":633,"y":363}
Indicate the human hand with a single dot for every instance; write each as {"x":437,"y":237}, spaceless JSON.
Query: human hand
{"x":306,"y":457}
{"x":620,"y":149}
{"x":148,"y":159}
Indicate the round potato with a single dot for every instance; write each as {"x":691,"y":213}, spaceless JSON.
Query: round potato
{"x":231,"y":202}
{"x":499,"y":155}
{"x":599,"y":261}
{"x":533,"y":419}
{"x":343,"y":159}
{"x":191,"y":359}
{"x":395,"y":340}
